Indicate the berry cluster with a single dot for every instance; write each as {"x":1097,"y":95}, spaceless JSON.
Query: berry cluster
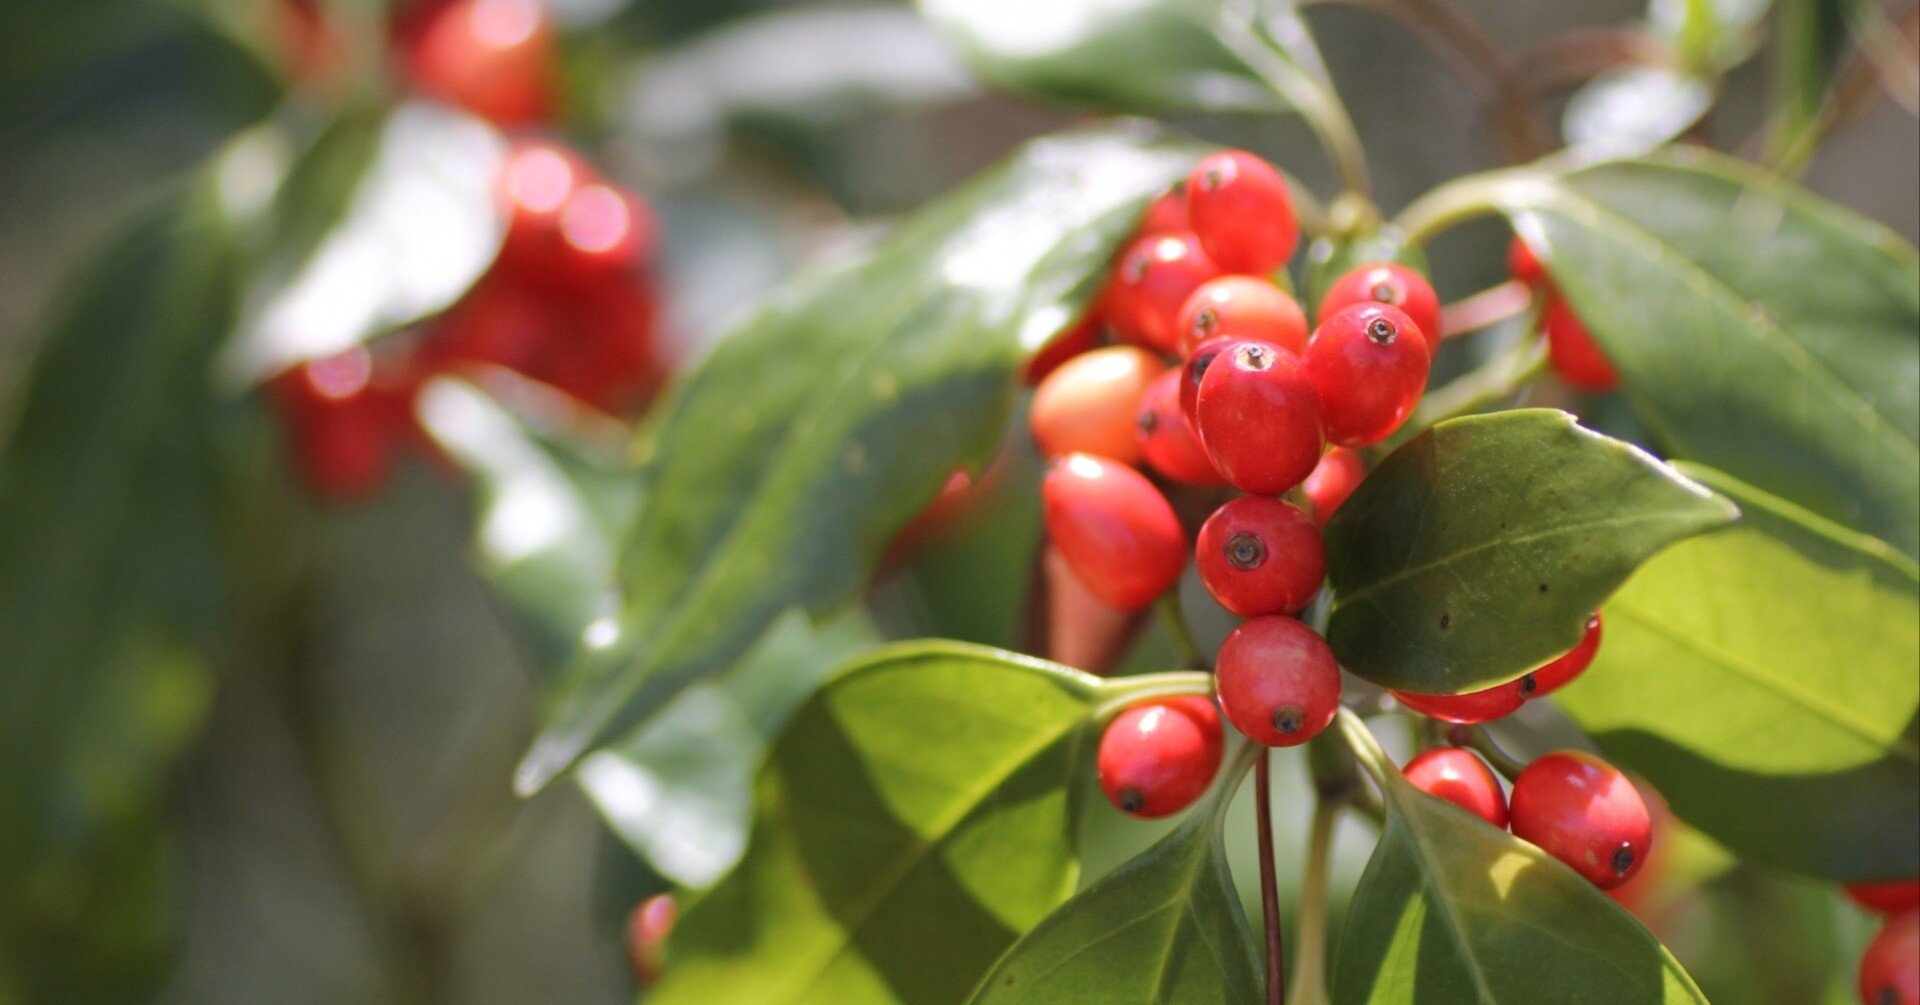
{"x":1570,"y":347}
{"x":1890,"y":968}
{"x":568,"y":302}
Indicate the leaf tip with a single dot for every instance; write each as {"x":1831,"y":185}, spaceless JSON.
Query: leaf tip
{"x":549,"y":757}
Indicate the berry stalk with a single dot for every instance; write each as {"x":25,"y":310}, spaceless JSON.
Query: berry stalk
{"x":1269,"y":884}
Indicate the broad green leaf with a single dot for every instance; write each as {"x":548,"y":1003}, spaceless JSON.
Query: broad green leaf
{"x":1128,"y":55}
{"x":1166,"y":927}
{"x":1452,"y":910}
{"x":1799,"y":637}
{"x":915,"y":818}
{"x":1757,"y":329}
{"x":1476,"y":551}
{"x":781,"y":466}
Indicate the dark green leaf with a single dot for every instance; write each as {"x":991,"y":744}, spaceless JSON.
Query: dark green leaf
{"x":1166,"y":927}
{"x":1800,"y":636}
{"x":784,"y":463}
{"x":1452,"y":910}
{"x":1476,"y":551}
{"x":914,"y":819}
{"x":1757,"y":329}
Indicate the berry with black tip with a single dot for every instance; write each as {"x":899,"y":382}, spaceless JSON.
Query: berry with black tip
{"x":1156,"y":758}
{"x":1584,"y":812}
{"x":1279,"y":683}
{"x":1258,"y":555}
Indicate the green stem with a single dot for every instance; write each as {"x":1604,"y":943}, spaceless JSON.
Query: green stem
{"x":1478,"y":740}
{"x":1130,"y":691}
{"x":1366,"y":749}
{"x":1175,"y":622}
{"x":1310,"y":952}
{"x":1458,"y":201}
{"x":1313,"y":98}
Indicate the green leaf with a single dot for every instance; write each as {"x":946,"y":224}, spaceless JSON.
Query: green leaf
{"x":1800,"y":636}
{"x":1476,"y":551}
{"x":1810,"y":39}
{"x":1634,"y":109}
{"x":914,"y":819}
{"x":1757,"y":329}
{"x":782,"y":466}
{"x":1154,"y":56}
{"x":1452,"y":910}
{"x":1165,"y":927}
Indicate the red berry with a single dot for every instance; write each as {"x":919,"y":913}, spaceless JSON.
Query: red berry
{"x":1524,"y":266}
{"x":1558,"y":674}
{"x":1462,"y":779}
{"x":1083,"y":631}
{"x":1154,"y":277}
{"x":1191,"y":373}
{"x":1575,"y":356}
{"x":1117,"y":531}
{"x":1890,"y":968}
{"x":1259,"y":416}
{"x":1082,"y":336}
{"x":606,"y":230}
{"x":535,"y":185}
{"x":1369,"y":363}
{"x":1167,"y":215}
{"x":1156,"y":758}
{"x":1394,"y":285}
{"x":1167,"y":439}
{"x":1242,"y":307}
{"x":1584,"y":812}
{"x":1474,"y":706}
{"x":1258,"y":555}
{"x":1279,"y":683}
{"x":1242,"y":212}
{"x":341,"y":429}
{"x":495,"y":58}
{"x":1090,"y":403}
{"x":1886,"y":898}
{"x":647,"y":931}
{"x":1339,"y":472}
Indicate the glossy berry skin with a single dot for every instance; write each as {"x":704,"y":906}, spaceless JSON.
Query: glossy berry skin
{"x":1258,"y":555}
{"x":647,"y":931}
{"x":1392,"y":284}
{"x":1259,"y":416}
{"x":494,"y":58}
{"x":1553,"y":676}
{"x":1241,"y":210}
{"x":1156,"y":758}
{"x":1369,"y":364}
{"x":534,"y":187}
{"x":1167,"y":440}
{"x":1117,"y":532}
{"x":1167,"y":215}
{"x":1083,"y":336}
{"x":1151,"y":281}
{"x":1584,"y":812}
{"x":1461,"y":778}
{"x":1524,"y":265}
{"x":1242,"y":307}
{"x":1890,"y":968}
{"x":1090,"y":403}
{"x":1886,"y":898}
{"x":1279,"y":683}
{"x":1339,"y":472}
{"x":1573,"y":353}
{"x":1475,"y":706}
{"x":1193,"y":371}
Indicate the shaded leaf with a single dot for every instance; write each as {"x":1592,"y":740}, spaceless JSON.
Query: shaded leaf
{"x":1634,"y":109}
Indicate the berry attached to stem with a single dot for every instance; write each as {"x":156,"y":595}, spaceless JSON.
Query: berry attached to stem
{"x":1584,"y":812}
{"x":1259,"y":417}
{"x":1258,"y":555}
{"x":1242,"y":212}
{"x":1156,"y":758}
{"x":1279,"y":683}
{"x":1462,"y":779}
{"x":1394,"y":285}
{"x":1117,"y":532}
{"x":1369,"y":364}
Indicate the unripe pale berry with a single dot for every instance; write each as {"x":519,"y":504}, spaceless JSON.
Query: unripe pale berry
{"x":1242,"y":307}
{"x":1888,"y":897}
{"x":1584,"y":812}
{"x":647,"y":931}
{"x":1279,"y":683}
{"x":1461,"y":778}
{"x":1369,"y":364}
{"x":495,"y":58}
{"x":1117,"y":532}
{"x":1242,"y":212}
{"x":1167,"y":439}
{"x":1575,"y":356}
{"x":1339,"y":472}
{"x":1089,"y":403}
{"x":1259,"y":416}
{"x":1156,"y":758}
{"x":1151,"y":281}
{"x":1392,"y":284}
{"x":1890,"y":968}
{"x":1558,"y":674}
{"x":1474,"y":706}
{"x":1258,"y":555}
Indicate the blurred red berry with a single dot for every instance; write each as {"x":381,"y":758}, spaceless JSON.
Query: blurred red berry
{"x":1117,"y":532}
{"x":1242,"y":307}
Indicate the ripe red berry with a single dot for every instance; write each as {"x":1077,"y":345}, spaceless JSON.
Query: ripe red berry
{"x":1258,"y":555}
{"x":1259,"y":416}
{"x":1575,"y":356}
{"x":1524,"y":266}
{"x":647,"y":931}
{"x":1886,"y":898}
{"x":495,"y":58}
{"x":1339,"y":472}
{"x":1150,"y":282}
{"x":535,"y":184}
{"x":1369,"y":364}
{"x":1242,"y":307}
{"x":1461,"y":778}
{"x":342,"y":429}
{"x":1394,"y":285}
{"x":1117,"y":532}
{"x":1553,"y":676}
{"x":1156,"y":758}
{"x":1083,"y":631}
{"x":1167,"y":439}
{"x":1242,"y":212}
{"x":1193,"y":371}
{"x":1474,"y":706}
{"x":1081,"y":337}
{"x":1584,"y":812}
{"x":606,"y":232}
{"x":1279,"y":683}
{"x":1167,"y":215}
{"x":1089,"y":404}
{"x":1890,"y":968}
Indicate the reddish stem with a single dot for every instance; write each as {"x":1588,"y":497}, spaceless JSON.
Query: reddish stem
{"x":1269,"y":884}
